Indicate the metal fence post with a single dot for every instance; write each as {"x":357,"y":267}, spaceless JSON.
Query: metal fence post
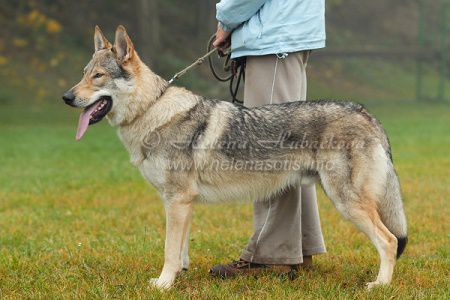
{"x":420,"y":42}
{"x":443,"y":50}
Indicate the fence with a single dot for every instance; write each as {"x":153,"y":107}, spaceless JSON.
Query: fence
{"x":418,"y":55}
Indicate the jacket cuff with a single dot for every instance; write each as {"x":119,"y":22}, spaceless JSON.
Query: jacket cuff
{"x":225,"y":27}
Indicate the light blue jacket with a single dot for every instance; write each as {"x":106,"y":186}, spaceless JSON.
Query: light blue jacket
{"x":272,"y":26}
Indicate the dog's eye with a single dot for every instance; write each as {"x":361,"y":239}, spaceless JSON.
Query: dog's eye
{"x":98,"y":75}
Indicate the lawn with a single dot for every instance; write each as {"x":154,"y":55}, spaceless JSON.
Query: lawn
{"x":78,"y":221}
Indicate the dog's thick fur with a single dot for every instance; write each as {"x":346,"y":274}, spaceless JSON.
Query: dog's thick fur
{"x":180,"y":142}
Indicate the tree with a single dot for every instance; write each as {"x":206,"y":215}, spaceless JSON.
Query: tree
{"x":148,"y":27}
{"x":206,"y":21}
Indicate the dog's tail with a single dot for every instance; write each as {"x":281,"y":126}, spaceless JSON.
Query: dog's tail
{"x":391,"y":209}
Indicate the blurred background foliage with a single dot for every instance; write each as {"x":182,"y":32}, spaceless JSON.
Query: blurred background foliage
{"x":375,"y":49}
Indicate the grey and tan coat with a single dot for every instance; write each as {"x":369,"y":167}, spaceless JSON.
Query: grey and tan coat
{"x":194,"y":149}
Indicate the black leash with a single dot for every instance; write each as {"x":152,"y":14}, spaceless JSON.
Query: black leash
{"x":238,"y":73}
{"x":234,"y":69}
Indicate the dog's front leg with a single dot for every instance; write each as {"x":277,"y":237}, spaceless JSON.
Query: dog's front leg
{"x":185,"y":251}
{"x":178,"y":214}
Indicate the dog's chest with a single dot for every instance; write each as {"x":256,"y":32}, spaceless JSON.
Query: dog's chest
{"x":153,"y":170}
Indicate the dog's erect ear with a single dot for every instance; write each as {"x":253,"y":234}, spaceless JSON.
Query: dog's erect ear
{"x":123,"y":45}
{"x":100,"y":40}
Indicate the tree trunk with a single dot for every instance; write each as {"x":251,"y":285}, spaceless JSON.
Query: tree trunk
{"x":148,"y":22}
{"x":206,"y":19}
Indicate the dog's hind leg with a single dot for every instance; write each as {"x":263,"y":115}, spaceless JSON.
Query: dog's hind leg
{"x":178,"y":214}
{"x":386,"y":244}
{"x":365,"y":216}
{"x":361,"y":210}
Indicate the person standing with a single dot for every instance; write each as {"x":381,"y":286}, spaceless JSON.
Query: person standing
{"x":276,"y":37}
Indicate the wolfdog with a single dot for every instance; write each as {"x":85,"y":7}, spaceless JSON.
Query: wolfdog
{"x":194,"y":149}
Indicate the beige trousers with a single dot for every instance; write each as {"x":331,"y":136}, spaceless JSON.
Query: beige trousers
{"x":287,"y":227}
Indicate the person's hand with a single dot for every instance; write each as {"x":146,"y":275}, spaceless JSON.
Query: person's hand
{"x":222,"y":40}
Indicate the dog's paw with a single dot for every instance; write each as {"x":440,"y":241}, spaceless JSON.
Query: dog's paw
{"x":373,"y":284}
{"x":161,"y":283}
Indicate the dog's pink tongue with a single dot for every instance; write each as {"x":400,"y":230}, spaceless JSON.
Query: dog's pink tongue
{"x":83,"y":122}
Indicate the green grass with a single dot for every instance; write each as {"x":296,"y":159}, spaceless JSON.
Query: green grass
{"x":78,"y":221}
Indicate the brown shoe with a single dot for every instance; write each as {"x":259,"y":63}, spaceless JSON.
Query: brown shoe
{"x":244,"y":268}
{"x":293,"y":273}
{"x":307,"y":262}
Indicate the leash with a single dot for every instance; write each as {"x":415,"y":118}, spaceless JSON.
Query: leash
{"x":199,"y":61}
{"x":238,"y":73}
{"x":235,"y":69}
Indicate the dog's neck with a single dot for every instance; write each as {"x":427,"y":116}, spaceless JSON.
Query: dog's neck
{"x":140,"y":92}
{"x":148,"y":91}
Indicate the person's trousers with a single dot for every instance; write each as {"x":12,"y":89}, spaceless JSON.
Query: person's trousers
{"x":287,"y":227}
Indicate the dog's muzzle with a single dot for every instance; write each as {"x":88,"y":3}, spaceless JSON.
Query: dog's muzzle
{"x":69,"y":98}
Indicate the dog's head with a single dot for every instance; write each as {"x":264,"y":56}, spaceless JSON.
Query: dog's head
{"x":108,"y":80}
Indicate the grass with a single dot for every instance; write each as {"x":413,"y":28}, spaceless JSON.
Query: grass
{"x":78,"y":221}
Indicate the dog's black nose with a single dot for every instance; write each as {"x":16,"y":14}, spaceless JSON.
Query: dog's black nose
{"x":68,"y":97}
